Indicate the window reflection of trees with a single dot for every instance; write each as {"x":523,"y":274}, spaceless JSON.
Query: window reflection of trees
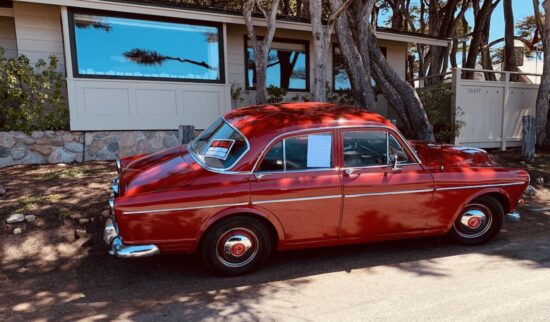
{"x":288,"y":68}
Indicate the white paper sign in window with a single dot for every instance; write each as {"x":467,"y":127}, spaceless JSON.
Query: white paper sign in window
{"x":219,"y":149}
{"x":319,"y":150}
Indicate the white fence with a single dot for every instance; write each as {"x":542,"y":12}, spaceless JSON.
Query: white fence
{"x":491,"y":110}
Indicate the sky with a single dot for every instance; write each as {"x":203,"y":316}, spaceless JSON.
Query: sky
{"x":522,"y":8}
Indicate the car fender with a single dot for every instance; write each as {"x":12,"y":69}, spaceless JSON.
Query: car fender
{"x":477,"y":194}
{"x":244,"y":210}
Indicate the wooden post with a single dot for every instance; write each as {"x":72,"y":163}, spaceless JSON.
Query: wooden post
{"x":186,"y":133}
{"x":529,"y":138}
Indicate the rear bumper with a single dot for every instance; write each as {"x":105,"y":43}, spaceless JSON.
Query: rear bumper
{"x":513,"y":217}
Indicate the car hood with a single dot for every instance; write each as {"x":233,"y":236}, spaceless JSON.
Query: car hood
{"x":167,"y":169}
{"x":449,"y":156}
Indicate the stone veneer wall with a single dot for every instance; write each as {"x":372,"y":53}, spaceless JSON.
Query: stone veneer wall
{"x":42,"y":147}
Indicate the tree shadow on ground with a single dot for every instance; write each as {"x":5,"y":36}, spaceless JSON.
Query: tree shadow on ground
{"x":80,"y":281}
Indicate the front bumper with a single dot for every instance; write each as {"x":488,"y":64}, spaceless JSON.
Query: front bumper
{"x":119,"y":249}
{"x":114,"y":240}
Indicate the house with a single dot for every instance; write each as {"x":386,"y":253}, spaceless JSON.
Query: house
{"x":154,"y":65}
{"x":195,"y":56}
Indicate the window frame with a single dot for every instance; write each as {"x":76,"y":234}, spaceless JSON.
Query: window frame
{"x":334,"y":47}
{"x":333,"y":152}
{"x":114,"y":14}
{"x":413,"y":159}
{"x":282,"y":40}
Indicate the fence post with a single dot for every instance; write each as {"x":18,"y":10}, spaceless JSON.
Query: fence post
{"x":529,"y":138}
{"x":505,"y":106}
{"x":186,"y":133}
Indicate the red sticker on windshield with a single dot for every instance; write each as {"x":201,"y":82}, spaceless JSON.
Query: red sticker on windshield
{"x":219,"y":149}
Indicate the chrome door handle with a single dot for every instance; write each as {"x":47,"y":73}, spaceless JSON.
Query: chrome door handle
{"x":349,"y":172}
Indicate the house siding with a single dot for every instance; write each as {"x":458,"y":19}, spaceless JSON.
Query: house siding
{"x":7,"y":36}
{"x":38,"y":30}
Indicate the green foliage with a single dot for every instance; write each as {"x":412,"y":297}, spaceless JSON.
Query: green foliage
{"x":73,"y":172}
{"x":341,"y":97}
{"x":237,"y":94}
{"x":437,"y":103}
{"x":276,"y":94}
{"x":31,"y":97}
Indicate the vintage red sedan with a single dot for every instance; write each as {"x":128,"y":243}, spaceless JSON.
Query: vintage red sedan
{"x":302,"y":175}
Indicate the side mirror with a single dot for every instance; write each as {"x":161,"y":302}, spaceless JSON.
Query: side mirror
{"x":394,"y":162}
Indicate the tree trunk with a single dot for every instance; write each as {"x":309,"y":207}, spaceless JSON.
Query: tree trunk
{"x":509,"y":62}
{"x":477,"y":36}
{"x":485,"y":59}
{"x":261,"y":48}
{"x":529,"y":138}
{"x":320,"y":51}
{"x":544,"y":89}
{"x":322,"y":37}
{"x":358,"y":76}
{"x":400,"y":94}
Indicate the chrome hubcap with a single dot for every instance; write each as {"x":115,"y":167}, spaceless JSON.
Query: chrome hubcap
{"x":237,"y":247}
{"x":474,"y":221}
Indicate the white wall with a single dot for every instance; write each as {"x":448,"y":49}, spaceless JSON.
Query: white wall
{"x":38,"y":30}
{"x":102,"y":104}
{"x":7,"y":36}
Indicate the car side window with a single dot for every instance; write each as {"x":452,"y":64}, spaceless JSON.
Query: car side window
{"x":365,"y":148}
{"x":273,"y":160}
{"x":397,"y":149}
{"x":304,"y":152}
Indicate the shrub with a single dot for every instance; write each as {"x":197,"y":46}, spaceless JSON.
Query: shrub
{"x":31,"y":97}
{"x":437,"y":102}
{"x":275,"y":94}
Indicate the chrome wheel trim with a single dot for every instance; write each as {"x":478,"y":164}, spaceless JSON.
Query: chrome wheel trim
{"x":474,"y":221}
{"x":237,"y":247}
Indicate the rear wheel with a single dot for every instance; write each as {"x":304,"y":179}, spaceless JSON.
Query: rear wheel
{"x":236,"y":246}
{"x":478,"y":222}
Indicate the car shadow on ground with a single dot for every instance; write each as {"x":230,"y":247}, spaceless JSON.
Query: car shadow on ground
{"x":87,"y":283}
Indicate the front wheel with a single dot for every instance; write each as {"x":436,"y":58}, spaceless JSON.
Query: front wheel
{"x":236,"y":246}
{"x":478,"y":222}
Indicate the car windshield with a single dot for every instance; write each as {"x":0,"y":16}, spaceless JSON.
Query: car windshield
{"x":220,"y":146}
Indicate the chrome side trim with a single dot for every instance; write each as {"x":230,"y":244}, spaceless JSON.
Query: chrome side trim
{"x":389,"y":193}
{"x":295,"y":199}
{"x":480,"y":186}
{"x":182,"y":209}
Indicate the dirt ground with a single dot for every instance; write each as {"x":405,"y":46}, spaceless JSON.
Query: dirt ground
{"x":58,"y":269}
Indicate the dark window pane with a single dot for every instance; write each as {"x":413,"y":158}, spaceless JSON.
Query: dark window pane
{"x":312,"y":151}
{"x":365,"y":148}
{"x":286,"y":68}
{"x":397,"y":149}
{"x":123,"y":47}
{"x":273,"y":160}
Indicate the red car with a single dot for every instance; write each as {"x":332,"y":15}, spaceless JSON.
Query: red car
{"x":303,"y":175}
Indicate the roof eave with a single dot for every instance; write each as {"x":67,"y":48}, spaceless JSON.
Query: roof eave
{"x":205,"y":15}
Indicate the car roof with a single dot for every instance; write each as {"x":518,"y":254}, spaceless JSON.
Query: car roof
{"x":275,"y":119}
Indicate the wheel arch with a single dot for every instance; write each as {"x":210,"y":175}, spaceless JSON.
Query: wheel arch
{"x":270,"y":221}
{"x":499,"y":194}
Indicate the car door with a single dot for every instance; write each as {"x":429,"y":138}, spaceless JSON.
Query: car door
{"x":378,"y":198}
{"x":298,"y":183}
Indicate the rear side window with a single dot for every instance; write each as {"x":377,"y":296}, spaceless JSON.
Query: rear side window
{"x":305,"y":152}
